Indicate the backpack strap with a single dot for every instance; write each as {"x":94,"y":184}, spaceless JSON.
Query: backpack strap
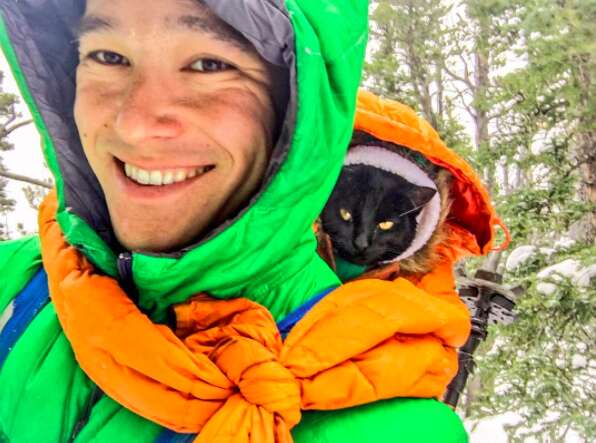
{"x":285,"y":325}
{"x":21,"y":311}
{"x":169,"y":436}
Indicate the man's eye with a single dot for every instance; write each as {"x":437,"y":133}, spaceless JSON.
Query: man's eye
{"x":210,"y":65}
{"x":109,"y":58}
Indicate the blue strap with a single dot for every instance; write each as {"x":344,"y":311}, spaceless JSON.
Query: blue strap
{"x":284,"y":326}
{"x":25,"y":307}
{"x":169,"y":436}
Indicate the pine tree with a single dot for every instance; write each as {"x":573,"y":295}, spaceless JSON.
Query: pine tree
{"x":540,"y":366}
{"x":8,"y":123}
{"x":523,"y":72}
{"x":407,"y":61}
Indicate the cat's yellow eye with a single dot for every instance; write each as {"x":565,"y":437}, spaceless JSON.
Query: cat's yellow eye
{"x":386,"y":225}
{"x":345,"y":214}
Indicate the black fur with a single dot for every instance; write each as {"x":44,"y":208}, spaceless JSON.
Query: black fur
{"x":373,"y":196}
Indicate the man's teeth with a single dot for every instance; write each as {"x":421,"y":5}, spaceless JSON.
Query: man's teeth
{"x":158,"y":178}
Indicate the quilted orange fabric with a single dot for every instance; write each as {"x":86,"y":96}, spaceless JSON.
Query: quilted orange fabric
{"x":225,"y":370}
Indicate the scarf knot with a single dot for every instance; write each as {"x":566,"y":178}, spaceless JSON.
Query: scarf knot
{"x":262,"y":380}
{"x":245,"y":345}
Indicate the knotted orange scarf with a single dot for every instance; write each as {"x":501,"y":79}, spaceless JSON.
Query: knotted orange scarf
{"x":225,"y":371}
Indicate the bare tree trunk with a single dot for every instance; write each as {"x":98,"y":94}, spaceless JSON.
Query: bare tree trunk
{"x":473,"y":389}
{"x":440,"y":89}
{"x":481,"y":83}
{"x":584,"y":230}
{"x":387,"y":49}
{"x":586,"y":151}
{"x":482,"y":138}
{"x":419,"y":78}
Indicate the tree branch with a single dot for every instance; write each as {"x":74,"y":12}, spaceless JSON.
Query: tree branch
{"x":13,"y":115}
{"x":499,"y":114}
{"x":22,"y":178}
{"x":454,"y":76}
{"x":460,"y":95}
{"x":473,"y":87}
{"x":6,"y":131}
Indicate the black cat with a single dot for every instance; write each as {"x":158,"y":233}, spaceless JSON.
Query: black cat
{"x":371,"y":214}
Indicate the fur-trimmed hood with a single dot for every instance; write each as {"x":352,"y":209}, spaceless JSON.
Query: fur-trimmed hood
{"x":468,"y":217}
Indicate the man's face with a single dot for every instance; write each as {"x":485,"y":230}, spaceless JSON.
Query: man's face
{"x":174,"y":116}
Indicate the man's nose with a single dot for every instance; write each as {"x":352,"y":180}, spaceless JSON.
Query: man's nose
{"x":147,"y":111}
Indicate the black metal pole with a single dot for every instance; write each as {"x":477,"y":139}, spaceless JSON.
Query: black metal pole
{"x":488,"y":301}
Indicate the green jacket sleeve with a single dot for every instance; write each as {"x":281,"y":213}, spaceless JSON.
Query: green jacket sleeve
{"x":19,"y":260}
{"x":401,"y":420}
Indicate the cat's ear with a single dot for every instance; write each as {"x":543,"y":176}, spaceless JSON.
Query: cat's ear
{"x":421,"y":195}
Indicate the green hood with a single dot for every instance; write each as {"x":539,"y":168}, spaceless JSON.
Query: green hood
{"x":267,"y":253}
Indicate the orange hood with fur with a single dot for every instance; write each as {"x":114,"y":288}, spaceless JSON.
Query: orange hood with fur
{"x":471,"y":218}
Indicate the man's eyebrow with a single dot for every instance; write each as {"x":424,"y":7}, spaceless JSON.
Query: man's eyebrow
{"x":219,"y":31}
{"x":92,"y":23}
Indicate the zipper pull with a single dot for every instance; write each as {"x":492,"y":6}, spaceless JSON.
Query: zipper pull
{"x":125,"y":276}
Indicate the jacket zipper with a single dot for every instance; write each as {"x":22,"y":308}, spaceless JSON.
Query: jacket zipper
{"x":125,"y":275}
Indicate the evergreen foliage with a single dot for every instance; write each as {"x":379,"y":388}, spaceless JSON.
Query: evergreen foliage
{"x":8,"y":115}
{"x":11,"y":120}
{"x":410,"y":49}
{"x":521,"y":71}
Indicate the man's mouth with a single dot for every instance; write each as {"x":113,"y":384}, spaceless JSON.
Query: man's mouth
{"x":156,"y":177}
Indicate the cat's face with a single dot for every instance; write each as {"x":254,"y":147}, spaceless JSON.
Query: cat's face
{"x":371,"y":214}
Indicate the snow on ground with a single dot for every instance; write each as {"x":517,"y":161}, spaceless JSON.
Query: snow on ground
{"x":523,"y":254}
{"x":584,"y":276}
{"x":581,"y":276}
{"x":492,"y":430}
{"x":548,"y":252}
{"x":579,"y":361}
{"x":546,"y":288}
{"x":567,"y":268}
{"x":519,"y":256}
{"x":564,"y":243}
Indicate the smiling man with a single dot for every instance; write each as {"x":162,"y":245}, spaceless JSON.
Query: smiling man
{"x":177,"y":129}
{"x":193,"y":144}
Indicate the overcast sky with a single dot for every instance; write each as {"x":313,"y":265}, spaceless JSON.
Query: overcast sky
{"x":25,"y":159}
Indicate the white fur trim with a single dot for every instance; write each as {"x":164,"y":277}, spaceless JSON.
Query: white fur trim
{"x":390,"y":161}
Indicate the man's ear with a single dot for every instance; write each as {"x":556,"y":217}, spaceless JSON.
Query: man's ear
{"x":421,"y":195}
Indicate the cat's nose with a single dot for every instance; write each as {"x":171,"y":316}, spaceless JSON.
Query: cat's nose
{"x":361,"y":242}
